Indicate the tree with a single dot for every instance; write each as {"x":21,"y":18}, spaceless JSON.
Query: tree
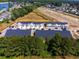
{"x":36,"y":46}
{"x":77,"y":47}
{"x":20,"y":12}
{"x":59,"y":46}
{"x":17,"y":46}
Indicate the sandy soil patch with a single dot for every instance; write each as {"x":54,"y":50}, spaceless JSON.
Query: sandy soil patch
{"x":5,"y":25}
{"x":32,"y":17}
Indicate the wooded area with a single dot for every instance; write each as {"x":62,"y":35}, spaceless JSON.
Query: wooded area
{"x":38,"y":46}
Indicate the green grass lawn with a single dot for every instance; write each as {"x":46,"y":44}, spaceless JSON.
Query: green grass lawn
{"x":7,"y":58}
{"x":28,"y":57}
{"x":36,"y":57}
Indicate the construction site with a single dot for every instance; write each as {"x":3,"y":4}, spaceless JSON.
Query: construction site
{"x":68,"y":12}
{"x":57,"y":16}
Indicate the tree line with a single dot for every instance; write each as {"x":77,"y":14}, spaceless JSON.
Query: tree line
{"x":38,"y":46}
{"x":20,"y":12}
{"x":24,"y":9}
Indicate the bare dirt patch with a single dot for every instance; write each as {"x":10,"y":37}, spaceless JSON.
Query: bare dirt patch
{"x":56,"y":57}
{"x":5,"y":25}
{"x":32,"y":17}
